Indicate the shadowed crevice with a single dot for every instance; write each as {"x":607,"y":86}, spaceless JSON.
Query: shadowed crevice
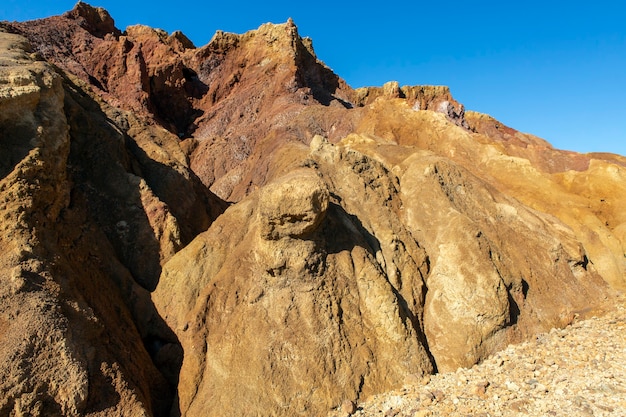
{"x":344,"y":231}
{"x":107,"y":168}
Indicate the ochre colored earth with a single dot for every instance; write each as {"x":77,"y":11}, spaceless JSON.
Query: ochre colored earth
{"x":234,"y":230}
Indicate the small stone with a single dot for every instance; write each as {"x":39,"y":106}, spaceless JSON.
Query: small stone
{"x":605,"y":407}
{"x":511,"y":386}
{"x":519,"y":406}
{"x":392,"y":412}
{"x":480,"y":389}
{"x":348,"y":407}
{"x":426,"y":398}
{"x":532,"y":382}
{"x":439,"y":395}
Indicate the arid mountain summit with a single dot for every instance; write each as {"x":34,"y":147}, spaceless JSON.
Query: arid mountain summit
{"x":233,"y":230}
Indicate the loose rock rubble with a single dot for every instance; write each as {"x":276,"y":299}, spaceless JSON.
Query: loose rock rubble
{"x":576,"y":371}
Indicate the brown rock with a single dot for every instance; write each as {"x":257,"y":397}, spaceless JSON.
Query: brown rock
{"x":480,"y":388}
{"x":59,"y":344}
{"x":82,"y":231}
{"x":348,"y":407}
{"x":519,"y":406}
{"x":438,"y":395}
{"x":327,"y":288}
{"x":293,"y":207}
{"x":375,"y":233}
{"x":95,"y":20}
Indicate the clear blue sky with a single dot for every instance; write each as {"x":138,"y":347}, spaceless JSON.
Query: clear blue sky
{"x":556,"y":69}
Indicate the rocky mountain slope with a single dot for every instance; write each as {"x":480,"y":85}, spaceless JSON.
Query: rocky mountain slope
{"x":233,"y":230}
{"x":575,"y":371}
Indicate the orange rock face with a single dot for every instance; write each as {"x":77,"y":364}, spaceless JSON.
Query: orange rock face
{"x":233,"y":230}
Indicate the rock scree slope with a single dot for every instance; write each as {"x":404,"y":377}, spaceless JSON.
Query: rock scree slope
{"x":234,"y":230}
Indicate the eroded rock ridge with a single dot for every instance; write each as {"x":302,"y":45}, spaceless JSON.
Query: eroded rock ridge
{"x":233,"y":230}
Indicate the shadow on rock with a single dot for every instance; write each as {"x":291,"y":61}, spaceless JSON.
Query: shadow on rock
{"x":146,"y":208}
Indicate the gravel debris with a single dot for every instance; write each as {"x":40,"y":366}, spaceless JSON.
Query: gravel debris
{"x":576,"y":371}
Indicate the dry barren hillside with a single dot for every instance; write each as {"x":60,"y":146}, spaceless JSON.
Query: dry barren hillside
{"x":233,"y":230}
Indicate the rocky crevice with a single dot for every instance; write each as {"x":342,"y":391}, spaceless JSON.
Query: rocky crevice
{"x":97,"y":221}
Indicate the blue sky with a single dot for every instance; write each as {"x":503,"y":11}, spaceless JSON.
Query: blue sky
{"x":556,"y":69}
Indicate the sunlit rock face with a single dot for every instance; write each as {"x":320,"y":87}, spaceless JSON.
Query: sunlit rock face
{"x":233,"y":230}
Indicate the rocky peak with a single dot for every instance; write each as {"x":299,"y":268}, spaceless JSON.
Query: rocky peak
{"x":182,"y":39}
{"x":271,"y":44}
{"x":95,"y":20}
{"x":429,"y":97}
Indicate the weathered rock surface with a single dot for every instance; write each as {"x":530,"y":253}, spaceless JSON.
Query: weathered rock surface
{"x":466,"y":293}
{"x":374,"y":235}
{"x":573,"y":371}
{"x":310,"y":301}
{"x":293,"y":207}
{"x":86,"y":225}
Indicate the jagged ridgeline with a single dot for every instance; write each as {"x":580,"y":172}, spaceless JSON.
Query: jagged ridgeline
{"x":233,"y":230}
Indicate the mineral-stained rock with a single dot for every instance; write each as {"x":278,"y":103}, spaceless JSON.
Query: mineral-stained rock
{"x":465,"y":293}
{"x":373,"y":235}
{"x":313,"y":316}
{"x":293,"y":207}
{"x":85,"y":224}
{"x":61,"y":344}
{"x":482,"y":289}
